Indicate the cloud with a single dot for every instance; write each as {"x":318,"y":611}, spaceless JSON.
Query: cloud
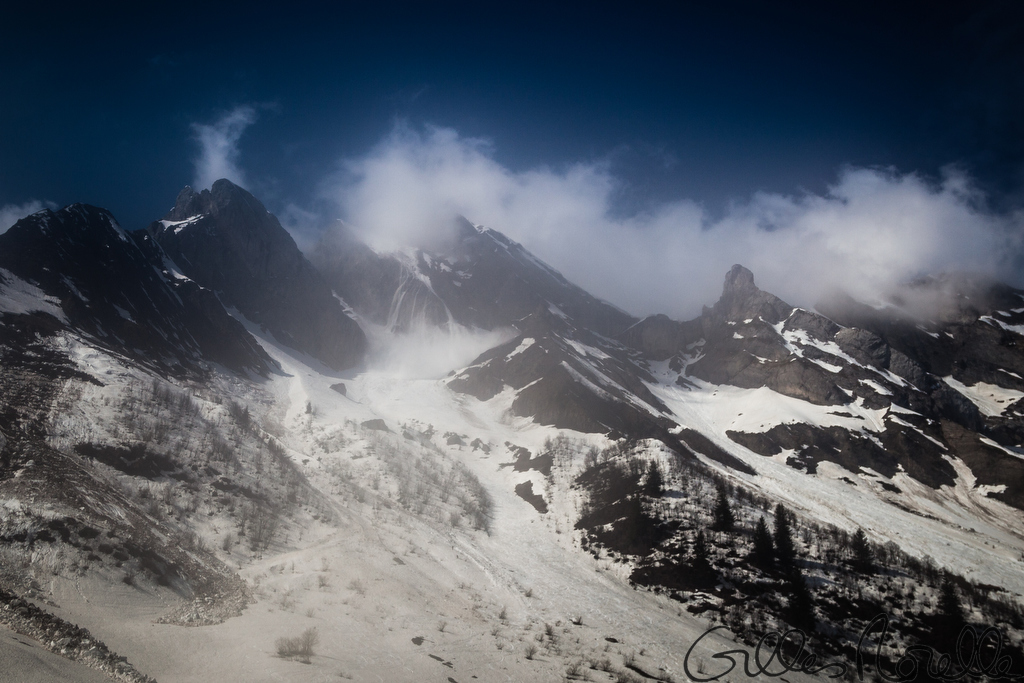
{"x":871,"y":230}
{"x":218,"y":148}
{"x":428,"y":352}
{"x":12,"y":213}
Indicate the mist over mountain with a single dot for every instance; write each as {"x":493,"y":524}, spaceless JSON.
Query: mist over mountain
{"x":871,"y":232}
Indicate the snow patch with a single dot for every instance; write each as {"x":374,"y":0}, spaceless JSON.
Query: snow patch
{"x":578,"y":377}
{"x":1004,"y":449}
{"x":555,"y":310}
{"x":876,"y":387}
{"x":19,"y":297}
{"x":991,"y":399}
{"x":181,"y":225}
{"x":523,"y":345}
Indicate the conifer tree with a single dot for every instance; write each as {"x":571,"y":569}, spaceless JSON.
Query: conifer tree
{"x":951,"y":614}
{"x":801,"y":604}
{"x":699,"y":563}
{"x":724,"y":520}
{"x":655,"y":484}
{"x":863,"y":557}
{"x":785,"y":551}
{"x":763,"y":553}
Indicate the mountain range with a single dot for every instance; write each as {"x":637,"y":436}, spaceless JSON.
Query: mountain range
{"x":190,"y":411}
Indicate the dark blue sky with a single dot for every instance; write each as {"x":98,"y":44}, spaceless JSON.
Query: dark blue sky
{"x":682,"y":101}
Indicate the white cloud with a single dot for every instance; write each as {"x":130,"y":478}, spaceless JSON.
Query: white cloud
{"x":218,"y":143}
{"x":12,"y":213}
{"x":871,"y":230}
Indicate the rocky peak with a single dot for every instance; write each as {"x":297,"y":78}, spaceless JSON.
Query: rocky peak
{"x":187,"y":204}
{"x":223,"y":197}
{"x":738,"y":281}
{"x":741,"y":299}
{"x":226,"y":240}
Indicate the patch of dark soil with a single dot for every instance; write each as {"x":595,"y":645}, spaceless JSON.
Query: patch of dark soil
{"x":542,"y":463}
{"x":135,"y":459}
{"x":377,"y":425}
{"x":525,"y":491}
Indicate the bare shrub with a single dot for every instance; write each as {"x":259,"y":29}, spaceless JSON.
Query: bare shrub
{"x":300,"y":647}
{"x":531,"y":651}
{"x":240,"y":414}
{"x":263,"y":522}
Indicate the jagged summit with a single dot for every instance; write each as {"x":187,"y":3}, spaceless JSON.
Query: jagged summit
{"x":739,"y":279}
{"x":225,"y":239}
{"x":741,"y":299}
{"x":223,"y":198}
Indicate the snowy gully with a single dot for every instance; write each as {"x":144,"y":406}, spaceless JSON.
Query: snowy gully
{"x":777,"y":653}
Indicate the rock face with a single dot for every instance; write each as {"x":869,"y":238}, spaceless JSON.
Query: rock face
{"x":119,"y":288}
{"x":566,"y":376}
{"x":227,"y":241}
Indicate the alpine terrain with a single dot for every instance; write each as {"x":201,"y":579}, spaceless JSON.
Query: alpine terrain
{"x":224,"y":459}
